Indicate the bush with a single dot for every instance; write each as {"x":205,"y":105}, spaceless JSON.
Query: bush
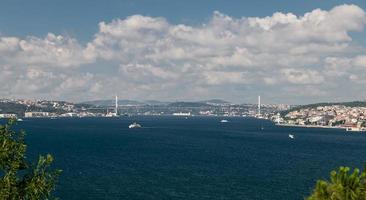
{"x":343,"y":185}
{"x":18,"y":178}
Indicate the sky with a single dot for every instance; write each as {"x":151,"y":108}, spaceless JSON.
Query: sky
{"x":294,"y":52}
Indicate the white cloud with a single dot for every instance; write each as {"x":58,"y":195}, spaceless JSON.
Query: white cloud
{"x":51,"y":51}
{"x":226,"y":55}
{"x":297,"y":76}
{"x":360,"y":61}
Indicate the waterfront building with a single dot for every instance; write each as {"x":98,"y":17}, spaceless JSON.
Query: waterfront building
{"x":8,"y":115}
{"x":36,"y":114}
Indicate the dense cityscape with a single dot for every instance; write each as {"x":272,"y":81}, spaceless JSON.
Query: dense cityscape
{"x":19,"y":108}
{"x":349,"y":117}
{"x":332,"y":116}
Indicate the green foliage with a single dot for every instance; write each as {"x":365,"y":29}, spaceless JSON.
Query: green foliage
{"x":18,"y":179}
{"x":363,"y":124}
{"x":343,"y":185}
{"x":15,"y":108}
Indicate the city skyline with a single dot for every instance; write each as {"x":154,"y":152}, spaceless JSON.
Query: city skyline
{"x":286,"y":53}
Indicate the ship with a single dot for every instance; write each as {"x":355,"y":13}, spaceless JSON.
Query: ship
{"x":355,"y":129}
{"x":134,"y":125}
{"x":182,"y":114}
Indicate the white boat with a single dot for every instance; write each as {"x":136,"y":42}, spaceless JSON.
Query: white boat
{"x":182,"y":114}
{"x":354,"y":129}
{"x":134,"y":125}
{"x":291,"y":136}
{"x":224,"y":121}
{"x":19,"y":119}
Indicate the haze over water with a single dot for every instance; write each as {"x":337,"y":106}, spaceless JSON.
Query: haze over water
{"x":194,"y":158}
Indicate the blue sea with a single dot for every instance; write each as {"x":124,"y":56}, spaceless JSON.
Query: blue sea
{"x":194,"y":158}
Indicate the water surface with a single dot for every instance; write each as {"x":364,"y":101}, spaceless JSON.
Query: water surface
{"x":194,"y":158}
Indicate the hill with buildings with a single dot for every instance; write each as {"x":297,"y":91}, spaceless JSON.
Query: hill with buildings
{"x":106,"y":108}
{"x":347,"y":115}
{"x":315,"y":105}
{"x":126,"y":102}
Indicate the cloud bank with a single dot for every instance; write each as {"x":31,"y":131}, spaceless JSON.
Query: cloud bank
{"x":283,"y":57}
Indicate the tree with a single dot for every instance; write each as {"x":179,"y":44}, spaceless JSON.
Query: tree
{"x":343,"y":185}
{"x":20,"y":180}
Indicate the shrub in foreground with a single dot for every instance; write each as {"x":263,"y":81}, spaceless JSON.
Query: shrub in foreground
{"x":20,"y":180}
{"x":343,"y":185}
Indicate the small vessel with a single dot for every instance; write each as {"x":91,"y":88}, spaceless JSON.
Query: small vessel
{"x":291,"y":136}
{"x":19,"y":119}
{"x":134,"y":125}
{"x":354,"y":129}
{"x":224,"y":121}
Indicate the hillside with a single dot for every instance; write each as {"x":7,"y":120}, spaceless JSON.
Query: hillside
{"x":106,"y":103}
{"x":349,"y":104}
{"x":215,"y":102}
{"x":9,"y":107}
{"x":188,"y":104}
{"x":111,"y":102}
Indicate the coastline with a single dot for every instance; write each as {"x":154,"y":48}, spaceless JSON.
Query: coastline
{"x":310,"y":126}
{"x":318,"y":126}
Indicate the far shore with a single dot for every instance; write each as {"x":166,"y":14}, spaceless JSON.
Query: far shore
{"x":311,"y":126}
{"x":363,"y":130}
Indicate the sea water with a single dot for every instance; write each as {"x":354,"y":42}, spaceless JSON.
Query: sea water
{"x":193,"y":158}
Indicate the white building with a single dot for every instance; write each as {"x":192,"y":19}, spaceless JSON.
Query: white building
{"x":36,"y":114}
{"x":8,"y":115}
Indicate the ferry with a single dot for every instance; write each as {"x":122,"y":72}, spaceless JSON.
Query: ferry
{"x":182,"y":114}
{"x":355,"y":129}
{"x":134,"y":125}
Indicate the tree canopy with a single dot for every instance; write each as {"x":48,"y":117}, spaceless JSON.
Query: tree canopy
{"x":343,"y":185}
{"x":20,"y":180}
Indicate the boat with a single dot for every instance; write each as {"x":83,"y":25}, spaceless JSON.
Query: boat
{"x":224,"y":121}
{"x":291,"y":136}
{"x":134,"y":125}
{"x":19,"y":119}
{"x":354,"y":129}
{"x":182,"y":114}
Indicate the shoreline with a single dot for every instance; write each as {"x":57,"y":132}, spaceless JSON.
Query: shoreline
{"x":311,"y":126}
{"x":317,"y":126}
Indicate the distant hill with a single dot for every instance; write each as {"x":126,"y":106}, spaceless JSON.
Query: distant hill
{"x":154,"y":102}
{"x":215,"y":102}
{"x":105,"y":103}
{"x":188,"y":104}
{"x":111,"y":102}
{"x":349,"y":104}
{"x":18,"y":109}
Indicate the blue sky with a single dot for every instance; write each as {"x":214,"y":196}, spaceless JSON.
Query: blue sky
{"x":80,"y":18}
{"x":286,"y":51}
